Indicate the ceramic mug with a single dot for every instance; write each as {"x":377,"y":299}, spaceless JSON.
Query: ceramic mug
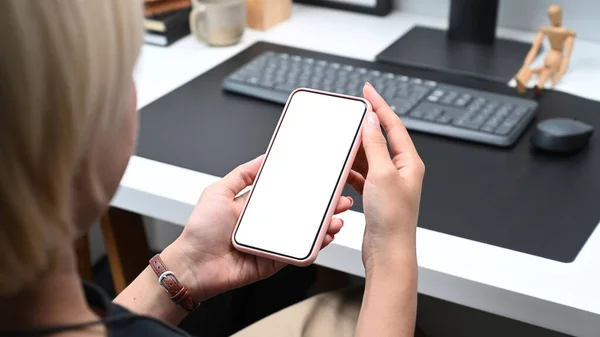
{"x":218,"y":22}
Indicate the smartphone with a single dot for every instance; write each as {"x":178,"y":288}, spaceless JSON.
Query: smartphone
{"x":300,"y":181}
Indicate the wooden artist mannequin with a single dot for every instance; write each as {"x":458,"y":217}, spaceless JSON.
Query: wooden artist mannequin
{"x":556,"y":62}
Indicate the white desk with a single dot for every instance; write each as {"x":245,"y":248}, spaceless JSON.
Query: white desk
{"x":558,"y":296}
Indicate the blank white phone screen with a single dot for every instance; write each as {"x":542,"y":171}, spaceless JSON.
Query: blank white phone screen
{"x":300,"y":174}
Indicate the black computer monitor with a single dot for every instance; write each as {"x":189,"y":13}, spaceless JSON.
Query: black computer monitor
{"x":469,"y":46}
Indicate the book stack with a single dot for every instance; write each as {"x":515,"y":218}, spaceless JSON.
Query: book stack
{"x":166,"y":21}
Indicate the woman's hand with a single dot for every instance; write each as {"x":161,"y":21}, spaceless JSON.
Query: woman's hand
{"x":390,"y":186}
{"x":203,"y":253}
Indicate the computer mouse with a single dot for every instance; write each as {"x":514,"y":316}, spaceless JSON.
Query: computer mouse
{"x":561,"y":135}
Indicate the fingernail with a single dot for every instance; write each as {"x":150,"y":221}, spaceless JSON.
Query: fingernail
{"x":375,"y":92}
{"x":372,"y":119}
{"x":351,"y":201}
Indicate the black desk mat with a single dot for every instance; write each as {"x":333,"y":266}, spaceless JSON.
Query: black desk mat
{"x":516,"y":198}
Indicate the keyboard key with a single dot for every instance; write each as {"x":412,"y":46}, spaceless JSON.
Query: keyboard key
{"x":379,"y":85}
{"x":341,"y":83}
{"x":389,"y":93}
{"x":348,"y":68}
{"x":486,"y":113}
{"x":438,"y":93}
{"x":328,"y":80}
{"x":433,"y":114}
{"x":450,"y":97}
{"x":267,"y":83}
{"x":286,"y":87}
{"x":362,"y":70}
{"x":402,"y":92}
{"x":447,"y":100}
{"x":509,"y":123}
{"x":402,"y":110}
{"x":489,"y":109}
{"x":416,"y":81}
{"x":476,"y":106}
{"x":467,"y":124}
{"x":502,"y":130}
{"x":480,"y":101}
{"x":433,"y":98}
{"x":420,"y":90}
{"x":303,"y":83}
{"x":322,"y":63}
{"x":492,"y":123}
{"x":356,"y":93}
{"x":430,"y":117}
{"x":460,"y":103}
{"x":444,"y":119}
{"x":501,"y":113}
{"x":417,"y":114}
{"x":430,"y":83}
{"x":512,"y":120}
{"x":389,"y":76}
{"x":417,"y":96}
{"x":402,"y":78}
{"x":469,"y":115}
{"x":309,"y":60}
{"x":479,"y":119}
{"x":487,"y":128}
{"x":519,"y":112}
{"x":508,"y":107}
{"x":463,"y":100}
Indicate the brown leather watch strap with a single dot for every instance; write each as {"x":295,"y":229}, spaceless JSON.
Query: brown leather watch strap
{"x":167,"y":279}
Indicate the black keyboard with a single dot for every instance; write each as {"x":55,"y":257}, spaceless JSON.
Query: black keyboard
{"x":423,"y":105}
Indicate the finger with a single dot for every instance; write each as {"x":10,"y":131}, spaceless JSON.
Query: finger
{"x":239,"y":203}
{"x":241,"y":177}
{"x":328,"y":239}
{"x":361,"y":165}
{"x":375,"y":145}
{"x":356,"y":181}
{"x":343,"y":204}
{"x":335,"y":226}
{"x":400,"y":141}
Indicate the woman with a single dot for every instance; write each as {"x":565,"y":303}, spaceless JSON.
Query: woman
{"x":68,"y":123}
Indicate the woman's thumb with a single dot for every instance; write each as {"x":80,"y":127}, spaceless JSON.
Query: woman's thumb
{"x":374,"y":143}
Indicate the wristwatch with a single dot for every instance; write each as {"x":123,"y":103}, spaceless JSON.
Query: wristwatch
{"x":167,"y":279}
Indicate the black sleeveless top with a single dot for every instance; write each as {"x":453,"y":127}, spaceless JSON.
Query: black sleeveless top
{"x":119,"y":321}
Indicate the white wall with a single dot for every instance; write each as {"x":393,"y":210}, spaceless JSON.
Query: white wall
{"x":582,"y":16}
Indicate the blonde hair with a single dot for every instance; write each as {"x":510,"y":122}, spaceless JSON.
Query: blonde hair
{"x":65,"y":79}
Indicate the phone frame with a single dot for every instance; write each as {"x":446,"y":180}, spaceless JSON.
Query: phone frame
{"x":333,"y":201}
